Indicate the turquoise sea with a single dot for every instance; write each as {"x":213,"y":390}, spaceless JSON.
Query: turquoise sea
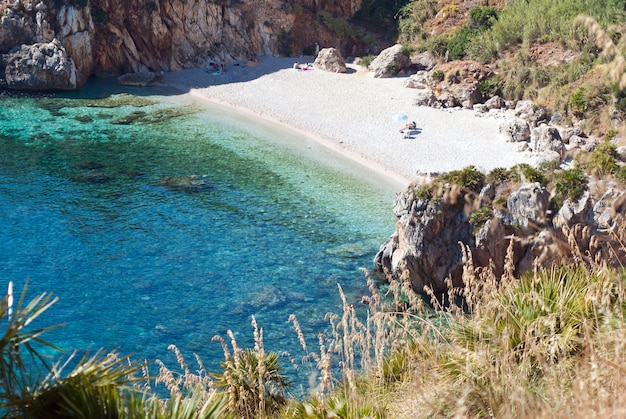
{"x":157,"y":221}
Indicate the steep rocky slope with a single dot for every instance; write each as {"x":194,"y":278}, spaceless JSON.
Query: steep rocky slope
{"x":111,"y":37}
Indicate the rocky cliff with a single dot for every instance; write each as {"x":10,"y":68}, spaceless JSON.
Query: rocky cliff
{"x":112,"y":37}
{"x":502,"y":227}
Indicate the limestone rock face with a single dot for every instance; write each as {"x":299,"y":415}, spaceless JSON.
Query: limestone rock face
{"x":545,"y":138}
{"x":460,"y":84}
{"x":426,"y":242}
{"x":113,"y":37}
{"x":528,"y":205}
{"x":38,"y":67}
{"x":15,"y":30}
{"x":426,"y":246}
{"x":330,"y":59}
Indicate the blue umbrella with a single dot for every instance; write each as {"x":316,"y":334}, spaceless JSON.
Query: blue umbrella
{"x":400,"y":117}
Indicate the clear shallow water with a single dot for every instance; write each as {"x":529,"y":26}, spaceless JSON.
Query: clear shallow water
{"x":86,"y":213}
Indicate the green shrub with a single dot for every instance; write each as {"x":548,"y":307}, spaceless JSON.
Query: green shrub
{"x":490,"y":87}
{"x":479,"y":217}
{"x":437,"y":75}
{"x":423,"y":192}
{"x":469,"y":178}
{"x":600,"y":162}
{"x":482,"y":18}
{"x":337,"y":25}
{"x":412,"y":17}
{"x":250,"y":386}
{"x":458,"y":43}
{"x":530,"y":174}
{"x":393,"y":67}
{"x":578,"y":101}
{"x":501,"y":201}
{"x":571,"y":183}
{"x":498,"y":176}
{"x":367,"y":60}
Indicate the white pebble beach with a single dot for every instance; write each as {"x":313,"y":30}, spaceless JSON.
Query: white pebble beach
{"x":353,"y":113}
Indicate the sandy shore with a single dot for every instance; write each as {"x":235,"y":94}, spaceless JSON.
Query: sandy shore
{"x":352,"y":113}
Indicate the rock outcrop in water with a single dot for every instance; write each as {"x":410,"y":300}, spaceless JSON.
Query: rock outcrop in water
{"x":41,"y":66}
{"x":433,"y":224}
{"x":114,"y":37}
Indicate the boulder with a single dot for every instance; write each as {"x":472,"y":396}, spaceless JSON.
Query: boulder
{"x":330,"y":59}
{"x":418,"y":80}
{"x":516,"y":129}
{"x":546,"y":138}
{"x":423,"y":61}
{"x":575,"y":212}
{"x":42,"y":66}
{"x":568,"y":133}
{"x":496,"y":102}
{"x":604,"y":210}
{"x":389,"y":62}
{"x":141,"y":79}
{"x":530,"y":112}
{"x":527,"y":206}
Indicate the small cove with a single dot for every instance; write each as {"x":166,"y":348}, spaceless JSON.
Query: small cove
{"x":97,"y":208}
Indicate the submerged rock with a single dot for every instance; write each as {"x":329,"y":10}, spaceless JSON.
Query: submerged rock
{"x":191,"y":183}
{"x":141,"y":79}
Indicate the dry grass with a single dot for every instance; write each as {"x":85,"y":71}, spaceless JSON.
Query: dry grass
{"x":551,"y":344}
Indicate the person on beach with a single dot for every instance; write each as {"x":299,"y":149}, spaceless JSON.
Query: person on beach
{"x":296,"y":66}
{"x":410,"y":126}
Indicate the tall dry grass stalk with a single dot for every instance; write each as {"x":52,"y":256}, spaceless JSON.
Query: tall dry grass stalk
{"x":184,"y":383}
{"x":613,"y":52}
{"x":550,"y":344}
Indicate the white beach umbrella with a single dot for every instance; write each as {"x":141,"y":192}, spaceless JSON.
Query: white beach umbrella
{"x":400,"y":117}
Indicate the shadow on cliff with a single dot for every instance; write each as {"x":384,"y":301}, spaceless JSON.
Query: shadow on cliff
{"x":239,"y":72}
{"x":177,"y":82}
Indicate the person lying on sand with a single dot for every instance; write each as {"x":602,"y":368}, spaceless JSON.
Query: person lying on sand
{"x":410,"y":126}
{"x":303,"y":67}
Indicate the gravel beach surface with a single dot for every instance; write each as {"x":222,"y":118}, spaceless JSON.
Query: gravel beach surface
{"x":355,"y":114}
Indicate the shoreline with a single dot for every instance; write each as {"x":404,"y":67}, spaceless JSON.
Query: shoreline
{"x":393,"y":179}
{"x":351,"y":114}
